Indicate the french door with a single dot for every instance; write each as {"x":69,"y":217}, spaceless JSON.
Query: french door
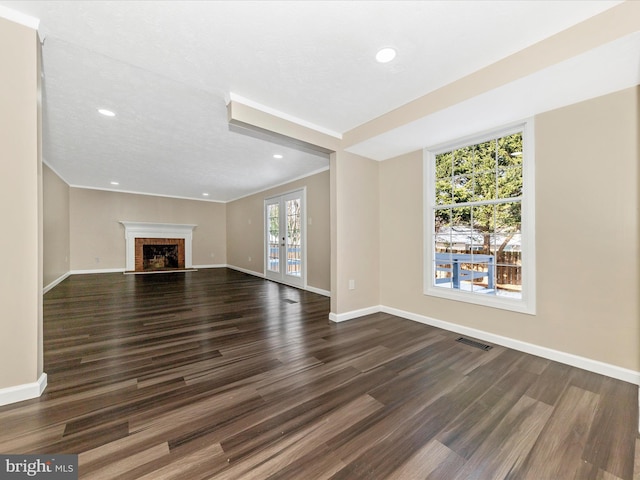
{"x":284,"y":238}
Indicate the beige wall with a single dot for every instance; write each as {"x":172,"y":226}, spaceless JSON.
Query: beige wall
{"x":20,"y":192}
{"x":55,"y":227}
{"x":245,"y":229}
{"x":97,"y":238}
{"x":318,"y":232}
{"x":587,"y":237}
{"x":355,"y":195}
{"x":245,"y":237}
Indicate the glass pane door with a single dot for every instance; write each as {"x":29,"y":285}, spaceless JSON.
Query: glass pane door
{"x":284,"y":238}
{"x":273,"y":237}
{"x":294,"y":240}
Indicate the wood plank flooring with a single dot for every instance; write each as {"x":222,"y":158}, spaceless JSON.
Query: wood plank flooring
{"x":215,"y":374}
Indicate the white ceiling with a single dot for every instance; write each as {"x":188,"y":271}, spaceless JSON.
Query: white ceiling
{"x":168,"y":68}
{"x":605,"y":69}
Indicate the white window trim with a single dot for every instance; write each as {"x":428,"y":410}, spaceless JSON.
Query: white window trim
{"x":527,"y":304}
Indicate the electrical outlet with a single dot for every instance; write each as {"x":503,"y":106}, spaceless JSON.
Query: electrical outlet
{"x":249,"y":258}
{"x":352,"y":284}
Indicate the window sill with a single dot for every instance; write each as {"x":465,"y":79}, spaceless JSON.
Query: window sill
{"x":523,"y":305}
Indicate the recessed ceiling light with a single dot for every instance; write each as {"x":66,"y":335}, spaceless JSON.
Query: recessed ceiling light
{"x":385,"y":55}
{"x":106,"y":113}
{"x":277,"y":155}
{"x":115,"y":183}
{"x":205,"y":194}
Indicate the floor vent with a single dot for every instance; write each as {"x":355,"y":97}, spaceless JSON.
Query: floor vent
{"x":288,"y":300}
{"x":473,"y":343}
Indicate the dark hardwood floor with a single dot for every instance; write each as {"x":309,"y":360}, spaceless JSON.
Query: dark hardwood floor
{"x":217,"y":374}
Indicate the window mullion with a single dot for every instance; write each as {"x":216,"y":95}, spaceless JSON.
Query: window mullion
{"x":495,"y":201}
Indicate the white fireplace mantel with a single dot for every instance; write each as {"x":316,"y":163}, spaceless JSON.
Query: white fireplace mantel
{"x":133,"y":230}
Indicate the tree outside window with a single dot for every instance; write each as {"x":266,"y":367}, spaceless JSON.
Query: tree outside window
{"x":478,"y":216}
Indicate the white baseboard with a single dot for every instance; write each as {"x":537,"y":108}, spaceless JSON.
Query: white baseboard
{"x":244,"y":270}
{"x":97,"y":270}
{"x":343,"y":317}
{"x":23,"y":392}
{"x":55,"y":282}
{"x":595,"y":366}
{"x":319,"y":291}
{"x":308,"y":288}
{"x":121,"y":270}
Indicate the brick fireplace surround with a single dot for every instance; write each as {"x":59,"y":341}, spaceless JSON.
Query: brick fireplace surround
{"x":141,"y":242}
{"x":139,"y":233}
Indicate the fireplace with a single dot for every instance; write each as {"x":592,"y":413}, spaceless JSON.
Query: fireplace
{"x":157,"y":247}
{"x":159,"y":254}
{"x":160,"y":257}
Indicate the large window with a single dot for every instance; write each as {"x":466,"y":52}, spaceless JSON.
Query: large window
{"x":479,"y":220}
